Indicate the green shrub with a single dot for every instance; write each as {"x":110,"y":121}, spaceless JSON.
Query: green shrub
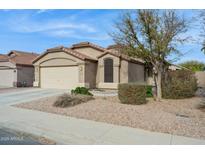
{"x":149,"y":92}
{"x":81,"y":90}
{"x":132,"y":93}
{"x":194,"y":65}
{"x":179,"y":84}
{"x":67,"y":100}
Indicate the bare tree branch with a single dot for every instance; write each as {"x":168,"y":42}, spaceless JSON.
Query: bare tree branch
{"x":152,"y":35}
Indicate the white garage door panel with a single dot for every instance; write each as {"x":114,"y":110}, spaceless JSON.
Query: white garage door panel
{"x":6,"y":78}
{"x":59,"y":77}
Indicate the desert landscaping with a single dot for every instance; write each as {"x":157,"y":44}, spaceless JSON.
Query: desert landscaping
{"x":184,"y":117}
{"x":143,"y":84}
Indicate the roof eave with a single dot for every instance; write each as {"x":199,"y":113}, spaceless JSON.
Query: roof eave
{"x":19,"y":64}
{"x":88,"y":44}
{"x":120,"y":56}
{"x":61,"y":49}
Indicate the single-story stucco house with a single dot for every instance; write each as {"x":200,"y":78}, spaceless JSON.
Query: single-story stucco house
{"x":16,"y":69}
{"x":86,"y":64}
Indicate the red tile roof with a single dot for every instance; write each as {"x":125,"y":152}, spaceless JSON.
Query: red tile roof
{"x":121,"y":55}
{"x":113,"y":49}
{"x":81,"y":56}
{"x":19,"y":57}
{"x":66,"y":50}
{"x":87,"y":44}
{"x":117,"y":47}
{"x":3,"y":57}
{"x":78,"y":55}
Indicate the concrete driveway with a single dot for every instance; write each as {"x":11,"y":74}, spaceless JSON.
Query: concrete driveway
{"x":11,"y":96}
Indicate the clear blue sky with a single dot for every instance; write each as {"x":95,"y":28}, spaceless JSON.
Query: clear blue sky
{"x":37,"y":30}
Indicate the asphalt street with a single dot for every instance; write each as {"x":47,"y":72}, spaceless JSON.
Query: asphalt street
{"x":12,"y":138}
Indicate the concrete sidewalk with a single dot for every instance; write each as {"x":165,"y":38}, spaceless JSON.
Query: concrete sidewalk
{"x":67,"y":130}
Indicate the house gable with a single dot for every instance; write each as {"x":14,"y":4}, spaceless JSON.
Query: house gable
{"x":57,"y":58}
{"x":122,"y":56}
{"x":116,"y":59}
{"x":88,"y":49}
{"x":21,"y":58}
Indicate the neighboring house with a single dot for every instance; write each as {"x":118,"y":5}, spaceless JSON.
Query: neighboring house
{"x":176,"y":67}
{"x":16,"y":69}
{"x":200,"y":75}
{"x":86,"y":64}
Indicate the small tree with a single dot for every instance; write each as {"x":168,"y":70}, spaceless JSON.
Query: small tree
{"x":194,"y":65}
{"x":152,"y":35}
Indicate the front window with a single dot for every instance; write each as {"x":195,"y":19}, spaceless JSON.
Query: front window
{"x":108,"y":70}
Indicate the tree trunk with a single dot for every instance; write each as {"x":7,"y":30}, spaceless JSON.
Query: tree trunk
{"x":159,"y":85}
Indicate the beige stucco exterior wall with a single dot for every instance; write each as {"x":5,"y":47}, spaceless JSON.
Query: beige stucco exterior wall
{"x":56,"y":59}
{"x":8,"y":74}
{"x":200,"y":75}
{"x":124,"y":71}
{"x":136,"y":72}
{"x":59,"y":62}
{"x":36,"y":76}
{"x":91,"y":73}
{"x":7,"y":65}
{"x":91,"y":52}
{"x":25,"y":74}
{"x":116,"y":72}
{"x":52,"y":59}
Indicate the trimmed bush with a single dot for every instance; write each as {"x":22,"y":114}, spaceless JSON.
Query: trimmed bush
{"x":132,"y":93}
{"x":67,"y":100}
{"x":81,"y":91}
{"x":179,"y":84}
{"x":149,"y":92}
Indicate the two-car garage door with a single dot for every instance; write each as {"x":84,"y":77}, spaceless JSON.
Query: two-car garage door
{"x":59,"y":77}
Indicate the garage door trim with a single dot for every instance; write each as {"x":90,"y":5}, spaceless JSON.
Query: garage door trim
{"x":58,"y":66}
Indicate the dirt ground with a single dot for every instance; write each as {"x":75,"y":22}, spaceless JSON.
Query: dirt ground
{"x":180,"y":117}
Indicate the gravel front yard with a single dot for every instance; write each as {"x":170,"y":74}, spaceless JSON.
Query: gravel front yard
{"x":180,"y":117}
